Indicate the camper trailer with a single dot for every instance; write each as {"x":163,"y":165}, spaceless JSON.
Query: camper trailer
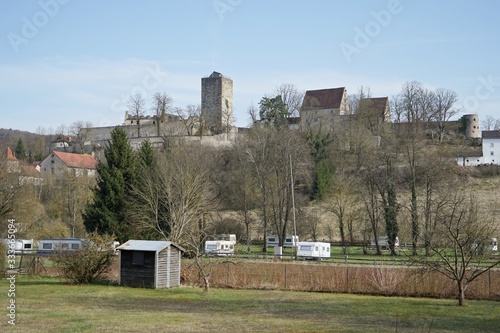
{"x":226,"y":237}
{"x":59,"y":245}
{"x":290,"y":241}
{"x":313,"y":250}
{"x":383,"y":242}
{"x":18,"y":246}
{"x":220,"y":248}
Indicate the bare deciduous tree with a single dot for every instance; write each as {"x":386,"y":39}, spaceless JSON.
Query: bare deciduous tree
{"x":461,"y":243}
{"x":191,"y":118}
{"x":444,"y":100}
{"x":162,"y":104}
{"x":343,"y":203}
{"x":291,"y":96}
{"x":488,"y":123}
{"x":241,"y":187}
{"x":355,"y":99}
{"x":80,"y":130}
{"x":136,"y":108}
{"x":177,"y":193}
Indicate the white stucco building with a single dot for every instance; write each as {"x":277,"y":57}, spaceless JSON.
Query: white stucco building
{"x":491,"y":151}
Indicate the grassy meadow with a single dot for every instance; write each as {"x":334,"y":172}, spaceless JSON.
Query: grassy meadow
{"x":45,"y":304}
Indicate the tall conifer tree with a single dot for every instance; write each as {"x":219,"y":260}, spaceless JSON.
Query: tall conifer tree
{"x":106,"y":214}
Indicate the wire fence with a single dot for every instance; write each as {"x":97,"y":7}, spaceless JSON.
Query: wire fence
{"x":341,"y":278}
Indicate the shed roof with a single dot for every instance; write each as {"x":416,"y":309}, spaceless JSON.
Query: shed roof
{"x":146,"y":245}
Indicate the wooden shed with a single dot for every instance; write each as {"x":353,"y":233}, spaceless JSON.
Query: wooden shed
{"x":150,"y":264}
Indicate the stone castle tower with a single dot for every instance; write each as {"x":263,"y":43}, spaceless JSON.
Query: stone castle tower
{"x":217,"y":102}
{"x":472,"y":126}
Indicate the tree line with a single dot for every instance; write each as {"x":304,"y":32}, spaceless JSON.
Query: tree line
{"x":373,"y":177}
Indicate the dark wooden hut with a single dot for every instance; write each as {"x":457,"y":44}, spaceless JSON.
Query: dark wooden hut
{"x":150,"y":264}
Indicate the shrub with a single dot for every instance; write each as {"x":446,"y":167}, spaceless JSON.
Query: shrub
{"x":89,"y":263}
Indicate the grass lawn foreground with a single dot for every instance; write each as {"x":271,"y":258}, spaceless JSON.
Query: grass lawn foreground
{"x":49,"y":305}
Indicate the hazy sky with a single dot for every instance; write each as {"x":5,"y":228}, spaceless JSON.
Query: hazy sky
{"x":68,"y":60}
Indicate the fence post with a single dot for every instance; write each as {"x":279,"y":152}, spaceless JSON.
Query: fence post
{"x":346,"y":274}
{"x":285,"y":276}
{"x":489,"y":283}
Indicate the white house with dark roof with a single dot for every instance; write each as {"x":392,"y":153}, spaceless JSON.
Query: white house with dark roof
{"x":58,"y":163}
{"x":491,"y":151}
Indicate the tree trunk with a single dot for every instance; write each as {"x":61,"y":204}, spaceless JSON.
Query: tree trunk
{"x":414,"y":217}
{"x":206,"y":284}
{"x":461,"y":294}
{"x":342,"y":233}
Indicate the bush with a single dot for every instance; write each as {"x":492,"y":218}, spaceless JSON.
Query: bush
{"x":89,"y":263}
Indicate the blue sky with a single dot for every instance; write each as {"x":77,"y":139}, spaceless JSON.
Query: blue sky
{"x":68,"y":60}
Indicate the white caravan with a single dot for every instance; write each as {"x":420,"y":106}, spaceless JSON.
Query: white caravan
{"x":58,"y":245}
{"x":313,"y":250}
{"x":219,"y":248}
{"x":18,"y":246}
{"x":290,"y":241}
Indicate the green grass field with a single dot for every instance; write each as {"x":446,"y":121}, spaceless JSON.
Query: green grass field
{"x":48,"y":305}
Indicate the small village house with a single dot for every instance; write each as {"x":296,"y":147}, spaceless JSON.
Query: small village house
{"x":58,"y":163}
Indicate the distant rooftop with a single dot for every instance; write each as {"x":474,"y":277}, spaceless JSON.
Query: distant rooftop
{"x":323,"y":99}
{"x":215,"y":75}
{"x":491,"y":134}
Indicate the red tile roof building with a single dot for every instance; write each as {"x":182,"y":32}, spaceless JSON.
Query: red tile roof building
{"x":58,"y":162}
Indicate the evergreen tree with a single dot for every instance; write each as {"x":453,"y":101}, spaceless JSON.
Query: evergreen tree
{"x":20,"y":150}
{"x":107,"y":213}
{"x":324,"y":168}
{"x":146,"y":154}
{"x":273,"y":110}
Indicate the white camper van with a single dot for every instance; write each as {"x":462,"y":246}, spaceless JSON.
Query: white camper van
{"x":313,"y":250}
{"x":18,"y":246}
{"x":290,"y":241}
{"x":219,"y":248}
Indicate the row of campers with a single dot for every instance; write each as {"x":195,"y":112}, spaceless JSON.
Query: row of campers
{"x":223,"y":245}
